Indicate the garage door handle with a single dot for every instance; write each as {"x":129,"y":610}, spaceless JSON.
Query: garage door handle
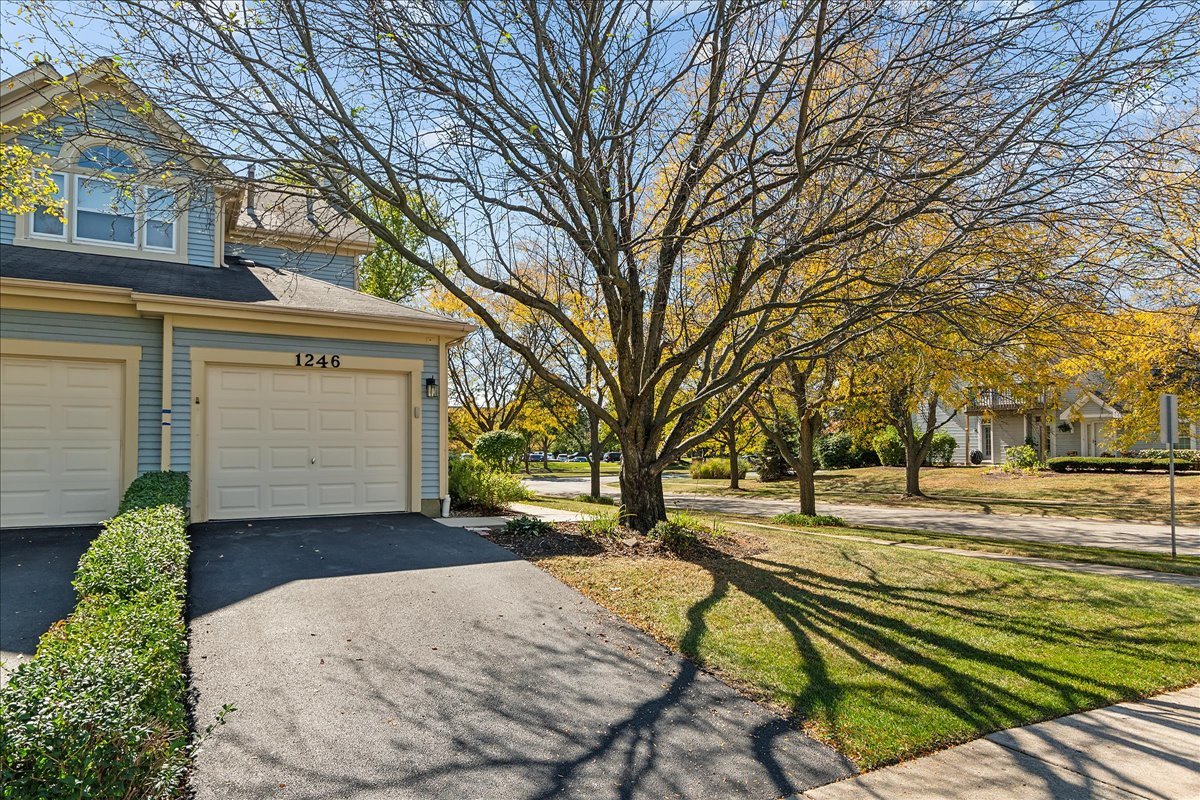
{"x":314,"y":461}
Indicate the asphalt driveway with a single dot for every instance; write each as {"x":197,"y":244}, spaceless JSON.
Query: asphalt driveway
{"x":389,"y":656}
{"x":36,"y":569}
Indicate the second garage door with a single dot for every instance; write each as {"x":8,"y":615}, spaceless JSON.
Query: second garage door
{"x":292,"y":442}
{"x":61,"y":432}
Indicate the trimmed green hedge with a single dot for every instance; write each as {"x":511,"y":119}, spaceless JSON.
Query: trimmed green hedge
{"x":99,"y":711}
{"x":153,"y":489}
{"x":1110,"y":464}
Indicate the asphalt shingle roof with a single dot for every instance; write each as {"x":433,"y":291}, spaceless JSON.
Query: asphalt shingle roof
{"x":262,"y":287}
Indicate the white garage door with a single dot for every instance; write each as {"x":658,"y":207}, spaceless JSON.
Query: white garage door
{"x":61,"y":426}
{"x":290,"y":442}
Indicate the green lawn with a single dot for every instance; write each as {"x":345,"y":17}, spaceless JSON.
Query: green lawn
{"x":1129,"y":496}
{"x":887,"y":653}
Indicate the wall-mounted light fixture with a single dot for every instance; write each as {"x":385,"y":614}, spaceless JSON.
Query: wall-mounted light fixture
{"x":431,"y":388}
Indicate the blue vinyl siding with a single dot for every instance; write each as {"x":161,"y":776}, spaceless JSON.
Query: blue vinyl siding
{"x":336,"y":269}
{"x":182,"y":402}
{"x":8,"y":228}
{"x":201,"y":229}
{"x":94,"y":329}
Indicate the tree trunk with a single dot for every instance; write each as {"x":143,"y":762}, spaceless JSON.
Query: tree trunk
{"x":546,"y":454}
{"x":641,"y":489}
{"x":912,"y":472}
{"x":734,"y":478}
{"x":806,"y":465}
{"x":916,"y":447}
{"x":594,"y":438}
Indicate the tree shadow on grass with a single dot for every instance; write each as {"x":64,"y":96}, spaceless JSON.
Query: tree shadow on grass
{"x":965,"y":674}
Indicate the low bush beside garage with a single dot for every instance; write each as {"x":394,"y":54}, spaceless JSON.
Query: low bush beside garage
{"x":99,"y":711}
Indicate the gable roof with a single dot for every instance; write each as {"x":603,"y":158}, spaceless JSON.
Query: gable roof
{"x":254,"y":286}
{"x":42,"y":85}
{"x":1086,"y":396}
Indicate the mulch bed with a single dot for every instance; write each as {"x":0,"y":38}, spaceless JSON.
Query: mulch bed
{"x":571,"y":539}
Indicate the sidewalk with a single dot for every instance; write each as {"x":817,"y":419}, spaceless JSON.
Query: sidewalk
{"x":1148,"y":537}
{"x":1147,"y":750}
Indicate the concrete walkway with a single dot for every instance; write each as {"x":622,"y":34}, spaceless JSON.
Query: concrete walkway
{"x":1054,"y":530}
{"x":1148,"y":750}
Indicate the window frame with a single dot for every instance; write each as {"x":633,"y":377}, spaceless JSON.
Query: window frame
{"x":67,"y":167}
{"x":144,"y":191}
{"x":64,"y":193}
{"x":77,"y":207}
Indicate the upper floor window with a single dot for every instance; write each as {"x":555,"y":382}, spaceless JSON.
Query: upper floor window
{"x":105,"y":205}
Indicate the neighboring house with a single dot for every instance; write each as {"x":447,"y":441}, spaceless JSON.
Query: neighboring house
{"x":199,"y":325}
{"x":1080,"y":424}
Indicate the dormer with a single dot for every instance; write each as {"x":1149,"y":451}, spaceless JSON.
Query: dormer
{"x":131,"y":182}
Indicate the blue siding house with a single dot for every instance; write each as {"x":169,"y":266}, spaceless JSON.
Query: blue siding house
{"x":170,"y":315}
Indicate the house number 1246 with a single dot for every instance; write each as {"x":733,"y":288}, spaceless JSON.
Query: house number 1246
{"x":314,"y":360}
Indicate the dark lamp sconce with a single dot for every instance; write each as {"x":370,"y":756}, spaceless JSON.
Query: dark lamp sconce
{"x":431,"y":389}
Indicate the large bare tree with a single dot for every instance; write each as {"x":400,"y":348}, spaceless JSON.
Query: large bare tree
{"x":715,"y":165}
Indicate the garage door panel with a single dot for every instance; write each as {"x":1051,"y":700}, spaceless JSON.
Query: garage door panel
{"x":337,"y":384}
{"x":288,"y":498}
{"x":239,"y":419}
{"x":337,"y":495}
{"x":382,"y":385}
{"x":91,"y":503}
{"x":23,"y":374}
{"x":283,"y":458}
{"x":382,"y":493}
{"x":382,"y":457}
{"x":339,"y":420}
{"x":238,"y":458}
{"x":289,"y":383}
{"x":289,"y":420}
{"x":61,"y":440}
{"x":382,"y":421}
{"x":90,"y":460}
{"x":337,"y":457}
{"x":87,"y":419}
{"x":17,"y":419}
{"x":33,"y":461}
{"x":239,"y":380}
{"x":332,"y":442}
{"x":235,"y":499}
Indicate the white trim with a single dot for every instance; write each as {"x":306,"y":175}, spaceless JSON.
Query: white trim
{"x":77,"y":206}
{"x":1072,"y":411}
{"x":63,"y":193}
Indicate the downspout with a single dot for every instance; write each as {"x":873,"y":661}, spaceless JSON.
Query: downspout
{"x":168,"y":346}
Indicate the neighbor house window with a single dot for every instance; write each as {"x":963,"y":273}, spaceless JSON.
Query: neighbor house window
{"x":46,"y":222}
{"x":985,"y":439}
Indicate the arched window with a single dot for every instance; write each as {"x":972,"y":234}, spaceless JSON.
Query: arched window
{"x":107,"y":159}
{"x":105,"y":204}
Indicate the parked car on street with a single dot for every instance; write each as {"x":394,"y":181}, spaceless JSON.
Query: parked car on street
{"x":613,"y":457}
{"x":579,"y":459}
